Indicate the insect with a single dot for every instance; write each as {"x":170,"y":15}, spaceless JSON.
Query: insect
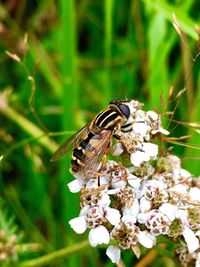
{"x":91,"y":143}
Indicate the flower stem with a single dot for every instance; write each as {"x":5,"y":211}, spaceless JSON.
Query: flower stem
{"x":26,"y":125}
{"x":54,"y":256}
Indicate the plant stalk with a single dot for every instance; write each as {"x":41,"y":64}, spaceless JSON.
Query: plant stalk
{"x":55,"y":256}
{"x":26,"y":125}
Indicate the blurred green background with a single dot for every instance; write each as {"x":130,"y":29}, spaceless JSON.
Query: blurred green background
{"x":62,"y":62}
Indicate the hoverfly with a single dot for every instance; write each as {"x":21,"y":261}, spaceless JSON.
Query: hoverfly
{"x":91,"y":143}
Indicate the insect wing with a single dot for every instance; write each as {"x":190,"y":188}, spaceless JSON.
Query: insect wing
{"x":70,"y":143}
{"x":96,"y":149}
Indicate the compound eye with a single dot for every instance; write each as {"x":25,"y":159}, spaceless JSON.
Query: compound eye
{"x":125,"y":110}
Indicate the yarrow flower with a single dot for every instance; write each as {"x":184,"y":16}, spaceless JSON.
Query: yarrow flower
{"x":132,"y":203}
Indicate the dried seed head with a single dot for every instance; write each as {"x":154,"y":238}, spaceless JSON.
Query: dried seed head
{"x":95,"y":216}
{"x":135,"y":105}
{"x":145,"y":170}
{"x":116,"y":173}
{"x":176,"y":228}
{"x":90,"y":197}
{"x":154,"y":121}
{"x":158,"y":223}
{"x":130,"y":141}
{"x":168,"y":164}
{"x":125,"y":234}
{"x":156,"y":195}
{"x":194,"y":218}
{"x":124,"y":198}
{"x":185,"y":257}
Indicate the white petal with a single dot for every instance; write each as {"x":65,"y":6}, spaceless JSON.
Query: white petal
{"x":150,"y":149}
{"x":98,"y":235}
{"x":169,"y":210}
{"x":185,"y":174}
{"x":134,"y":106}
{"x":163,"y":131}
{"x":92,"y":184}
{"x":134,"y":181}
{"x":105,"y":200}
{"x":80,"y":178}
{"x":142,"y":217}
{"x":103,"y":180}
{"x":84,"y":210}
{"x":191,"y":240}
{"x":114,"y":253}
{"x":117,"y":150}
{"x":140,"y":128}
{"x":183,"y":216}
{"x":78,"y":175}
{"x":147,"y":137}
{"x":117,"y":183}
{"x":145,"y":205}
{"x":146,"y":239}
{"x":74,"y":186}
{"x":138,"y":157}
{"x":113,"y":191}
{"x":112,"y":215}
{"x":194,"y":194}
{"x":161,"y":184}
{"x":180,"y":188}
{"x":78,"y":224}
{"x":133,"y":210}
{"x":129,"y":218}
{"x":153,"y":115}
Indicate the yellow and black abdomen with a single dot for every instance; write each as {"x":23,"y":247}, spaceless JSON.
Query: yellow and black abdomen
{"x":78,"y":156}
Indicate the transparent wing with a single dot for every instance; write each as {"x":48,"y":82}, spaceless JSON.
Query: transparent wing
{"x":95,"y":150}
{"x":70,"y":143}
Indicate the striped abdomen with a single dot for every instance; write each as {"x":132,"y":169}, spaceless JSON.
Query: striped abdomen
{"x":78,"y":156}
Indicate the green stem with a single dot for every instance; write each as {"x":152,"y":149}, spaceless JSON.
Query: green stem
{"x":108,"y":10}
{"x":21,"y":213}
{"x":163,"y":7}
{"x":55,"y":256}
{"x":26,"y":125}
{"x":68,"y":65}
{"x":108,"y":28}
{"x":69,"y":100}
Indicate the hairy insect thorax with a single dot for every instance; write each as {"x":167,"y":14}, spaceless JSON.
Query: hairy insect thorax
{"x":113,"y":117}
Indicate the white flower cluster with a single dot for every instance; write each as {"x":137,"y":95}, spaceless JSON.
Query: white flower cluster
{"x":147,"y":196}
